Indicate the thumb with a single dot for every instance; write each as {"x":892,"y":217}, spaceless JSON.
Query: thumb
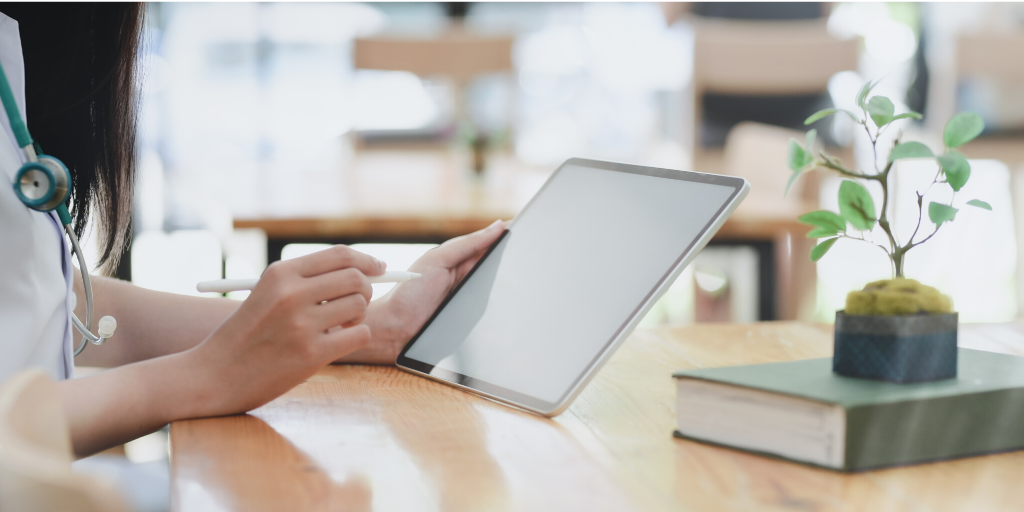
{"x":457,"y":250}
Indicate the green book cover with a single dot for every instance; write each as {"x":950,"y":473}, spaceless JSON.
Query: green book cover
{"x":980,"y":411}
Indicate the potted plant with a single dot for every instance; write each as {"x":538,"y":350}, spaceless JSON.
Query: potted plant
{"x":895,"y":330}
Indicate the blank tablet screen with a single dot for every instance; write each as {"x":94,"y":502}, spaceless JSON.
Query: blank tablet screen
{"x":575,"y":266}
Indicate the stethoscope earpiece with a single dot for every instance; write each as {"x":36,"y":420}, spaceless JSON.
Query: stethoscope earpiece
{"x":43,"y":185}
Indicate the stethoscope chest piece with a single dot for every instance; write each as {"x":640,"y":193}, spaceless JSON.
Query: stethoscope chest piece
{"x":43,"y":185}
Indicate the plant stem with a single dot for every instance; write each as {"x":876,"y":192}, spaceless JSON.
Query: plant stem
{"x":883,"y":221}
{"x":899,"y":252}
{"x":828,"y":163}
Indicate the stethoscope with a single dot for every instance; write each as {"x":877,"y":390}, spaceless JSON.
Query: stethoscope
{"x":44,"y":184}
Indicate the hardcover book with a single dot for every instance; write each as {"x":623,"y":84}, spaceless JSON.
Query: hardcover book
{"x":802,"y":411}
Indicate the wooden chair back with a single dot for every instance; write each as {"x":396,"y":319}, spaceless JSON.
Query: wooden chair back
{"x":35,"y":453}
{"x":762,"y":58}
{"x":758,"y":57}
{"x":758,"y":153}
{"x":457,"y":55}
{"x":986,"y":54}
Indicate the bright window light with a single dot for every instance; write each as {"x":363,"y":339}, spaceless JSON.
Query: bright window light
{"x":890,"y":41}
{"x":391,"y":100}
{"x":292,"y":251}
{"x":175,"y":262}
{"x":854,"y":18}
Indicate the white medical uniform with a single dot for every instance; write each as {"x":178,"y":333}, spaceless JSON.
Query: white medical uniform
{"x":35,"y":263}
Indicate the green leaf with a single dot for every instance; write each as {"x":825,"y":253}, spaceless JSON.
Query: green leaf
{"x":940,"y":213}
{"x":792,"y":179}
{"x":797,"y":156}
{"x":799,"y":159}
{"x":820,"y":249}
{"x":962,"y":128}
{"x":880,"y":109}
{"x":863,"y":93}
{"x":956,"y":168}
{"x":910,"y":150}
{"x":856,"y":205}
{"x":809,"y":144}
{"x":906,"y":115}
{"x":823,"y":219}
{"x":821,"y":114}
{"x":822,"y":233}
{"x":980,"y":204}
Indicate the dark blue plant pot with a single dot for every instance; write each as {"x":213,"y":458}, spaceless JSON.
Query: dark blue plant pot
{"x":903,"y":349}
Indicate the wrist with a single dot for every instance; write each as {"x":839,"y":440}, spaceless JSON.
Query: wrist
{"x":380,"y":321}
{"x":386,"y":336}
{"x":195,"y":392}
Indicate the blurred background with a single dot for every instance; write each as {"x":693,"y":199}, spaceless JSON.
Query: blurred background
{"x":269,"y":130}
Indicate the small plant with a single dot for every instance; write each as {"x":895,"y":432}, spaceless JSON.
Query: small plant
{"x":857,"y":213}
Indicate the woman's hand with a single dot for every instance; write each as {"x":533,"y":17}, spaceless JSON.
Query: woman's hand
{"x":303,"y":314}
{"x":396,"y":317}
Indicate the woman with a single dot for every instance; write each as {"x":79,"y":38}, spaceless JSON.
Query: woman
{"x":72,"y":73}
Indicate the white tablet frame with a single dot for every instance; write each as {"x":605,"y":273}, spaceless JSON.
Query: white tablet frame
{"x":549,"y":409}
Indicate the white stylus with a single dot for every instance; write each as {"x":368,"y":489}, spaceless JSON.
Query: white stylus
{"x":234,"y":285}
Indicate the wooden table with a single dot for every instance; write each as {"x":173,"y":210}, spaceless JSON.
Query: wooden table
{"x":375,"y":438}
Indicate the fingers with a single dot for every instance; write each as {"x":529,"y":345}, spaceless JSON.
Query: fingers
{"x":342,"y":342}
{"x":346,"y":311}
{"x":337,"y":258}
{"x":465,"y":267}
{"x":339,"y":283}
{"x":453,"y":252}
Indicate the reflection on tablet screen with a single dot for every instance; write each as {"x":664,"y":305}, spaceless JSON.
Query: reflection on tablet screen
{"x":574,"y":268}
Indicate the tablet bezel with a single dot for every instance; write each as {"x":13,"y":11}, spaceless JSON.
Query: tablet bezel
{"x":516,"y":399}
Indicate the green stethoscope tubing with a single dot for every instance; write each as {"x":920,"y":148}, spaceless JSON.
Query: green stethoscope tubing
{"x":57,"y":193}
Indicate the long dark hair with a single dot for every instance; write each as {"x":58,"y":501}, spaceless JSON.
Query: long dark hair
{"x":81,"y":102}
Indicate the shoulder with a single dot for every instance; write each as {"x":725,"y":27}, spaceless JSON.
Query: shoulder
{"x":9,"y":34}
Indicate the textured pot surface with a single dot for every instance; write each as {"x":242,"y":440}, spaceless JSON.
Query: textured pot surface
{"x":905,"y":349}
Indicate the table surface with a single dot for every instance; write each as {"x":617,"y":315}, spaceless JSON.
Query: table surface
{"x":375,"y":438}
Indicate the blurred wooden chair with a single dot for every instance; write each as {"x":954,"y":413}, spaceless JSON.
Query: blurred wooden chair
{"x":764,"y":59}
{"x":768,"y":58}
{"x":758,"y":153}
{"x":35,"y":453}
{"x":456,"y":56}
{"x":986,"y":55}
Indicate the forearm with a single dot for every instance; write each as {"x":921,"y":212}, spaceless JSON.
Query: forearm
{"x":282,"y":335}
{"x":121,"y":404}
{"x":149,"y":323}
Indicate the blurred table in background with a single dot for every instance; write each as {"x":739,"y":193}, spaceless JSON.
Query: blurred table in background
{"x":376,"y":438}
{"x":989,"y":83}
{"x":428,"y":195}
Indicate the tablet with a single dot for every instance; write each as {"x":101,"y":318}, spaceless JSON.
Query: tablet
{"x":569,"y":279}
